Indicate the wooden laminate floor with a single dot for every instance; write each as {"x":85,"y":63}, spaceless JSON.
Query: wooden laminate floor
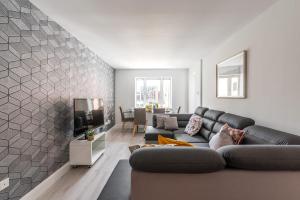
{"x":85,"y":183}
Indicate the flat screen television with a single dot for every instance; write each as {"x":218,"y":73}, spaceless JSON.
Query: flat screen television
{"x":88,"y":114}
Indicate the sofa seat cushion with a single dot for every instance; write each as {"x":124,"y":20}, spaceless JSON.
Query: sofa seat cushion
{"x":191,"y":139}
{"x":202,"y":145}
{"x":262,"y":157}
{"x":179,"y":131}
{"x":152,"y":133}
{"x":176,"y":160}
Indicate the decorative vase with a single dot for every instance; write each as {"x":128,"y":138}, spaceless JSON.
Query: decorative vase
{"x":90,"y":137}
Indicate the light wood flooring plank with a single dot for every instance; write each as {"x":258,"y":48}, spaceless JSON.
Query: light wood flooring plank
{"x":84,"y":183}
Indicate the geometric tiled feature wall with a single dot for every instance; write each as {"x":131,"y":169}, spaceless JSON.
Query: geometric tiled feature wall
{"x":42,"y":68}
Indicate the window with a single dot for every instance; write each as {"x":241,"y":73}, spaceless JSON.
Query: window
{"x":153,"y":91}
{"x":229,"y":86}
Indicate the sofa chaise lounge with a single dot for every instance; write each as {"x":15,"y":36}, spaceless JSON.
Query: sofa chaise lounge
{"x":265,"y":167}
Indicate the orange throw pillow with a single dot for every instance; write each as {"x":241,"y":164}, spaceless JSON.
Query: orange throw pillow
{"x":164,"y":140}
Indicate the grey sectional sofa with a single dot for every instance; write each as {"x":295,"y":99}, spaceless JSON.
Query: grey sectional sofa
{"x":265,"y":167}
{"x":247,"y":172}
{"x":213,"y":120}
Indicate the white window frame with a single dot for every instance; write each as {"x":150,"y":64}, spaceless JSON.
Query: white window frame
{"x":161,"y":86}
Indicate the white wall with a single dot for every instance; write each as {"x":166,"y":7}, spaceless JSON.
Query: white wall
{"x":125,"y":86}
{"x":194,"y":87}
{"x":273,"y":44}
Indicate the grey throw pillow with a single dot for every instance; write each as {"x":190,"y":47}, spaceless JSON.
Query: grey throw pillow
{"x":222,"y":138}
{"x":160,"y":121}
{"x":171,"y":123}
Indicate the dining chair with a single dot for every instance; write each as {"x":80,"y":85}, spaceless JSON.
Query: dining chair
{"x":159,"y":110}
{"x":124,"y":118}
{"x":178,"y":110}
{"x":139,"y":119}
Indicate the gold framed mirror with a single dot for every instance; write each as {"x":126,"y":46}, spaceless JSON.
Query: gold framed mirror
{"x":231,"y":77}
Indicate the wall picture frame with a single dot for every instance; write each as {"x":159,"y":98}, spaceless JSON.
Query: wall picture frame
{"x":231,"y":77}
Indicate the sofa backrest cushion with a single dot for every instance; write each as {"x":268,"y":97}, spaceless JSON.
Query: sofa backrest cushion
{"x":176,"y":160}
{"x":262,"y":157}
{"x":213,"y":114}
{"x":264,"y":135}
{"x":182,"y":119}
{"x":217,"y":127}
{"x":200,"y":111}
{"x":209,"y":119}
{"x":154,"y":121}
{"x":234,"y":121}
{"x":207,"y":125}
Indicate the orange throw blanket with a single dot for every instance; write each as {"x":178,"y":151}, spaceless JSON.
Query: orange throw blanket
{"x":164,"y":140}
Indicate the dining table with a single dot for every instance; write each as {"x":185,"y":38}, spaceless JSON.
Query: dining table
{"x":149,"y":115}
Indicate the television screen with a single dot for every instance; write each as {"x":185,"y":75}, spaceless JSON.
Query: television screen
{"x":88,"y":114}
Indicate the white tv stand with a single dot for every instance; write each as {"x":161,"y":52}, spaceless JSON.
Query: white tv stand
{"x":84,"y":152}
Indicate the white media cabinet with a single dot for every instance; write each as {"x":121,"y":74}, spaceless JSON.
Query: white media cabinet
{"x":84,"y":152}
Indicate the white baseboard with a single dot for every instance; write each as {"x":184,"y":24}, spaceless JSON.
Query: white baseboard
{"x":41,"y":188}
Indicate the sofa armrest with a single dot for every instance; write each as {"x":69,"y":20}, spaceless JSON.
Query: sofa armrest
{"x":262,"y":157}
{"x":176,"y":160}
{"x":182,"y":119}
{"x":263,"y":135}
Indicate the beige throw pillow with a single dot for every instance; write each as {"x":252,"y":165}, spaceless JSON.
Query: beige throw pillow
{"x":221,"y":139}
{"x":171,"y":123}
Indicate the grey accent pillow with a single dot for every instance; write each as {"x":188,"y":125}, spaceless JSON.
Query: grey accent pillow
{"x":222,"y":138}
{"x":171,"y":123}
{"x":160,"y":121}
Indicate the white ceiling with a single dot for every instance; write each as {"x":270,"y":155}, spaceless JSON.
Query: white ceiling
{"x":152,"y":33}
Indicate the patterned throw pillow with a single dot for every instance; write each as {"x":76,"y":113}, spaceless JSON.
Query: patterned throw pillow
{"x":237,"y":135}
{"x":194,"y":125}
{"x":222,"y":138}
{"x":160,"y":121}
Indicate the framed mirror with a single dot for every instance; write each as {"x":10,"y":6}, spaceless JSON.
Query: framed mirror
{"x":231,"y":77}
